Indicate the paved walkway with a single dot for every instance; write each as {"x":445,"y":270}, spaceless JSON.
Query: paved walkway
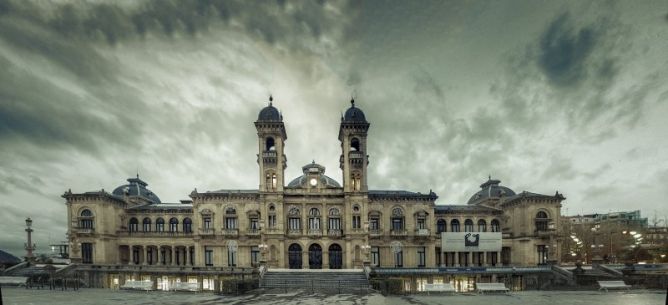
{"x":21,"y":296}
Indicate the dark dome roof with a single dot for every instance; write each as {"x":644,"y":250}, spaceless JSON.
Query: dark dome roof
{"x":491,"y":189}
{"x":354,"y":114}
{"x":269,"y":113}
{"x":313,"y":168}
{"x":7,"y":258}
{"x":136,"y":188}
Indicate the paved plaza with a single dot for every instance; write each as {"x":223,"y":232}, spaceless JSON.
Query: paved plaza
{"x":20,"y":296}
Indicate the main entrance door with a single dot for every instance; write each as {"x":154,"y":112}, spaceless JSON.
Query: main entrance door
{"x":315,"y":257}
{"x":335,"y":257}
{"x":295,"y":256}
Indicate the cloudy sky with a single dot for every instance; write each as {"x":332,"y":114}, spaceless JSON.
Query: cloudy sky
{"x":543,"y":95}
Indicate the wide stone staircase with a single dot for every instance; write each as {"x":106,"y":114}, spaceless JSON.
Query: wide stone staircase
{"x":327,"y":281}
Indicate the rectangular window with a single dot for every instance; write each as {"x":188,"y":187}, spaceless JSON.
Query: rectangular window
{"x":86,"y":223}
{"x":421,"y":255}
{"x":272,"y":221}
{"x":374,"y":224}
{"x":542,"y":254}
{"x":254,"y":224}
{"x":147,"y":227}
{"x":231,"y":258}
{"x":399,"y":259}
{"x":421,"y":223}
{"x":134,"y":227}
{"x":335,"y":223}
{"x":208,"y":256}
{"x":230,"y":223}
{"x":294,"y":224}
{"x":187,"y":227}
{"x":159,"y":227}
{"x":207,"y":223}
{"x":255,"y":255}
{"x":357,"y":222}
{"x":314,"y":223}
{"x":397,"y":224}
{"x":173,"y":227}
{"x":375,"y":256}
{"x":87,"y":253}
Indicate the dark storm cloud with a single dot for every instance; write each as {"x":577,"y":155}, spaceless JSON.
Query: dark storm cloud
{"x":564,"y":51}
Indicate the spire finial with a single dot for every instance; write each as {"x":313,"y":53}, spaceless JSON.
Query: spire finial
{"x":313,"y":161}
{"x":489,"y":177}
{"x":352,"y":102}
{"x":271,"y":99}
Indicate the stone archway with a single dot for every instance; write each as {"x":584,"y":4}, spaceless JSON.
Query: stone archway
{"x":295,"y":256}
{"x":335,"y":257}
{"x":315,"y":256}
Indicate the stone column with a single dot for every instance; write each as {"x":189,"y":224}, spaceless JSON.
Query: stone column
{"x":132,"y":255}
{"x":325,"y":259}
{"x":186,"y":256}
{"x":484,"y":259}
{"x":305,"y":259}
{"x":456,"y":259}
{"x":442,"y":255}
{"x":172,"y":256}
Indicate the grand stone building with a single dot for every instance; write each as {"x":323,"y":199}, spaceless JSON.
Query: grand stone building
{"x":310,"y":222}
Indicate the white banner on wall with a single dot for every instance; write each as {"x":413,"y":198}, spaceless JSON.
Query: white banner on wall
{"x":470,"y":241}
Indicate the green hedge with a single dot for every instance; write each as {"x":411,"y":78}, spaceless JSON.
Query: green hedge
{"x":388,"y":285}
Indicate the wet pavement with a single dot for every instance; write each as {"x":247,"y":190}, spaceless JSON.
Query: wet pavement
{"x":21,"y":296}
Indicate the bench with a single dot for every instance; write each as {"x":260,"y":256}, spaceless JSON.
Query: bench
{"x":138,"y":285}
{"x":439,"y":287}
{"x":491,"y":287}
{"x":13,"y":280}
{"x":183,"y":286}
{"x":613,"y":285}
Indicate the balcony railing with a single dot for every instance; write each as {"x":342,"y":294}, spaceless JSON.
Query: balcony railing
{"x":207,"y":231}
{"x":375,"y":232}
{"x":85,"y":230}
{"x":334,"y":233}
{"x":397,"y":232}
{"x":253,"y":232}
{"x":294,"y":232}
{"x":154,"y":233}
{"x":422,"y":232}
{"x":230,"y":232}
{"x":355,"y":155}
{"x":269,"y":156}
{"x":314,"y":232}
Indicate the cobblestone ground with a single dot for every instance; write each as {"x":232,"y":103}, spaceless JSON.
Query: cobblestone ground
{"x":20,"y":296}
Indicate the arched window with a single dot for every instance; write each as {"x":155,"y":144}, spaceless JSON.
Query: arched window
{"x":187,"y":225}
{"x":133,"y":225}
{"x":440,"y":226}
{"x":271,"y":217}
{"x":173,"y":225}
{"x":482,"y":225}
{"x":314,"y":219}
{"x":86,"y":220}
{"x":269,"y":144}
{"x":355,"y":144}
{"x":357,"y":219}
{"x":334,"y":222}
{"x":146,"y":224}
{"x":356,"y":181}
{"x":541,"y":221}
{"x":454,"y":225}
{"x":160,"y":225}
{"x":230,"y":218}
{"x":468,"y":225}
{"x":374,"y":222}
{"x":496,"y":226}
{"x":294,"y":220}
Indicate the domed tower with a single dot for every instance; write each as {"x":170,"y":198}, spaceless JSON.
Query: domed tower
{"x":271,"y":140}
{"x":354,"y":160}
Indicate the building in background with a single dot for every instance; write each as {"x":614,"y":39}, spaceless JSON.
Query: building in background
{"x":311,"y":222}
{"x":607,"y":238}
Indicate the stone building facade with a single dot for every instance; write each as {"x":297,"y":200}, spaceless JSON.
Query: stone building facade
{"x":310,"y":222}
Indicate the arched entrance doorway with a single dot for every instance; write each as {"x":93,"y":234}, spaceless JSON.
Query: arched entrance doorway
{"x":295,"y":256}
{"x":335,"y":257}
{"x":315,"y":257}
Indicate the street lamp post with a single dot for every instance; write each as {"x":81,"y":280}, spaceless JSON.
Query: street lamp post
{"x":29,"y":246}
